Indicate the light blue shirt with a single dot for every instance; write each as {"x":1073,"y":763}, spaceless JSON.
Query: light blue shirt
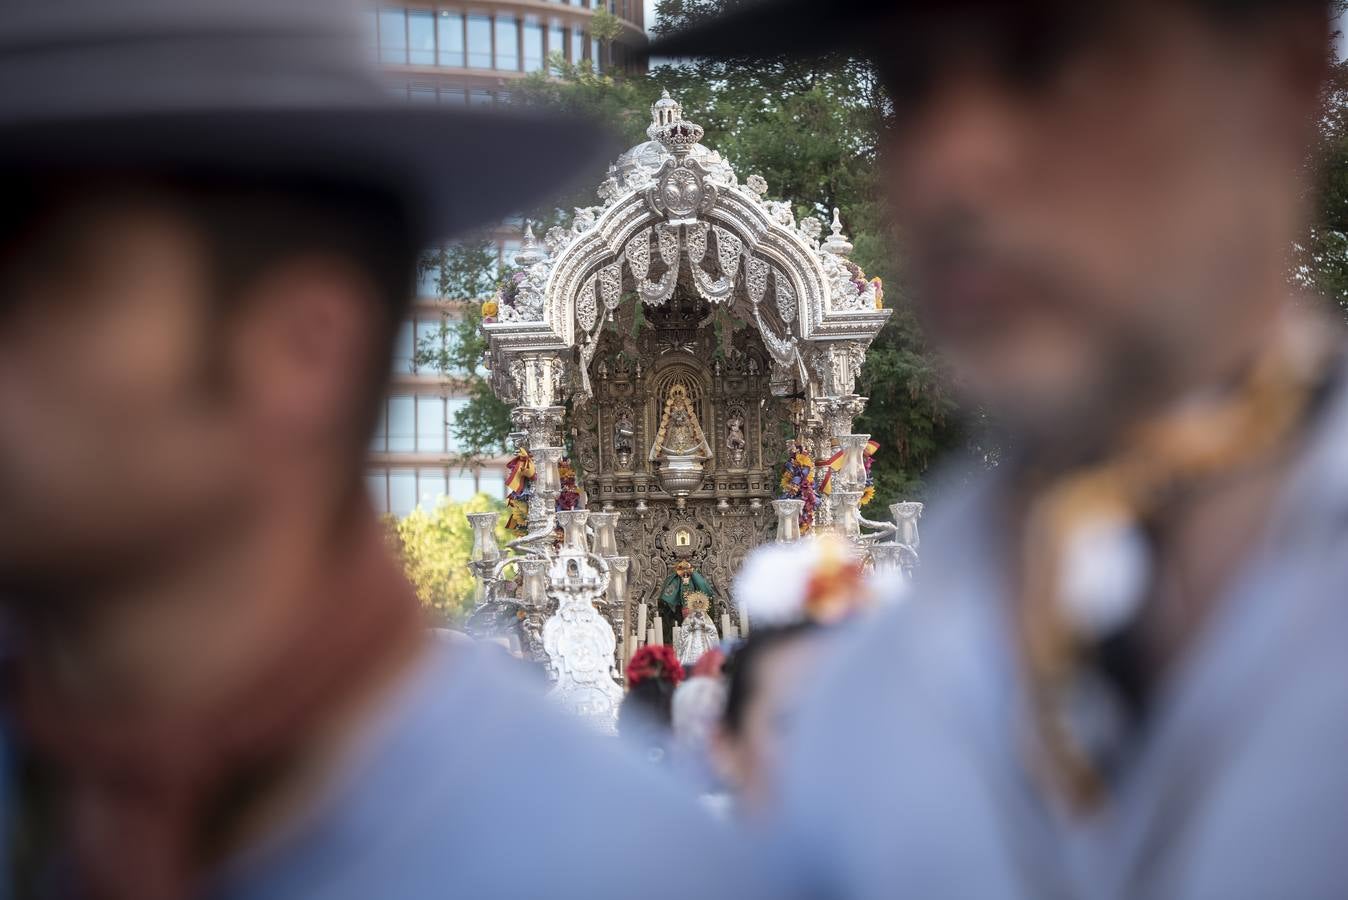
{"x":908,"y":775}
{"x":473,"y":787}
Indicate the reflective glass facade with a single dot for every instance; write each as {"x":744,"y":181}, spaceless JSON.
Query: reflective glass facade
{"x":454,"y":37}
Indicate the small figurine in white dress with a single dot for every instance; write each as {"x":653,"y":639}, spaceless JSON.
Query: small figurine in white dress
{"x":698,"y":634}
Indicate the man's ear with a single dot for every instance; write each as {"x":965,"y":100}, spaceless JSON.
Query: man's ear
{"x":304,"y":348}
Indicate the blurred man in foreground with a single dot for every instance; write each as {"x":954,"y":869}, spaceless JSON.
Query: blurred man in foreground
{"x":1123,"y":674}
{"x":218,"y":682}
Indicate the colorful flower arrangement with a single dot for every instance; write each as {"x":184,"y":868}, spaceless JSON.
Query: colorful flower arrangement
{"x":519,"y":488}
{"x":823,"y":478}
{"x":868,"y":492}
{"x":569,"y":496}
{"x":506,"y":296}
{"x":654,"y":661}
{"x":860,"y":282}
{"x":798,"y":483}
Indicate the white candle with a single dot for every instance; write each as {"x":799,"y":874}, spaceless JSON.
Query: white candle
{"x":725,"y":625}
{"x":658,"y":630}
{"x":678,"y":635}
{"x":641,"y":621}
{"x":731,"y":633}
{"x":744,"y":623}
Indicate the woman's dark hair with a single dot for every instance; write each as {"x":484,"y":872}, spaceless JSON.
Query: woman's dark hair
{"x":740,"y":669}
{"x":646,"y":705}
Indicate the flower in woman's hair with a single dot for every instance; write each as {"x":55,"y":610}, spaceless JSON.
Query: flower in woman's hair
{"x":654,"y":661}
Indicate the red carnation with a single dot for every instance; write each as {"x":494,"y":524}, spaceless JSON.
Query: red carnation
{"x":654,"y":661}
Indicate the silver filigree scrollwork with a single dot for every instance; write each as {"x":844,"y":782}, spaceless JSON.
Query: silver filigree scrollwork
{"x":728,"y":250}
{"x":667,"y":245}
{"x":587,"y":311}
{"x":756,"y":279}
{"x":638,"y":254}
{"x":786,"y":298}
{"x":695,"y":241}
{"x":611,"y":285}
{"x":783,"y":350}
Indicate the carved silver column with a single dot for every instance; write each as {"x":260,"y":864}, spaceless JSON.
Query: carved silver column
{"x":547,"y":485}
{"x":887,"y":560}
{"x":847,"y":515}
{"x":838,"y":413}
{"x":485,"y":548}
{"x":534,"y":599}
{"x":906,"y":534}
{"x":853,"y":473}
{"x":788,"y":519}
{"x":905,"y":515}
{"x":485,"y":553}
{"x":617,"y":605}
{"x":605,"y":526}
{"x":574,"y":539}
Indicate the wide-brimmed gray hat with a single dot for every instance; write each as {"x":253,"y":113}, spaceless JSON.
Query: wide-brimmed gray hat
{"x":268,"y":86}
{"x":755,"y":29}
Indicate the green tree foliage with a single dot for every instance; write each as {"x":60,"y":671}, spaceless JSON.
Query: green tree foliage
{"x":605,"y":26}
{"x":466,"y":272}
{"x":435,"y":547}
{"x":1321,"y":262}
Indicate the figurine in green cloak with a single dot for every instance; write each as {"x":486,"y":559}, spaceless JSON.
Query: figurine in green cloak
{"x":681,"y":582}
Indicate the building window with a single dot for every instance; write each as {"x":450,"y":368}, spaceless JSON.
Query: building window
{"x":421,"y":37}
{"x":452,"y":408}
{"x":403,"y":349}
{"x":557,"y":41}
{"x":379,"y":440}
{"x":392,"y":36}
{"x":479,"y":42}
{"x":596,"y":54}
{"x":507,"y":43}
{"x":462,"y":485}
{"x":377,"y":485}
{"x":479,"y":98}
{"x":492,"y":483}
{"x":449,"y":29}
{"x":577,"y":44}
{"x":453,"y":96}
{"x":533,"y":45}
{"x":431,"y":337}
{"x":432,"y":488}
{"x":421,"y":93}
{"x":402,"y":491}
{"x":402,"y":424}
{"x":430,"y":425}
{"x":428,"y":277}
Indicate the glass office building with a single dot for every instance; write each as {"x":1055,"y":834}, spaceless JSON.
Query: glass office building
{"x":464,"y":53}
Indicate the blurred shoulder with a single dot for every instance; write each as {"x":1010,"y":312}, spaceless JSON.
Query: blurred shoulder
{"x":477,"y":787}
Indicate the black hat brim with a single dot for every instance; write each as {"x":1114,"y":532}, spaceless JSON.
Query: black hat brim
{"x":771,"y":28}
{"x":454,"y":169}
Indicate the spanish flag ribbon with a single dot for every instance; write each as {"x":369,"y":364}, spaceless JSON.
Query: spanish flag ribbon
{"x":519,"y":470}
